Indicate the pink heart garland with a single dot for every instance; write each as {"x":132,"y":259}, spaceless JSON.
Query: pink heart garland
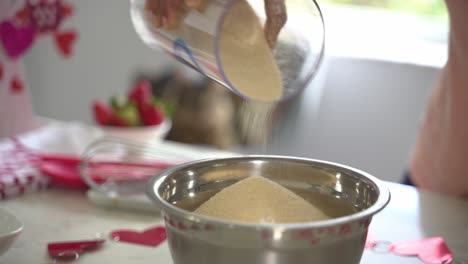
{"x":16,"y":40}
{"x":45,"y":15}
{"x":430,"y":250}
{"x":16,"y":85}
{"x":150,"y":237}
{"x":65,"y":42}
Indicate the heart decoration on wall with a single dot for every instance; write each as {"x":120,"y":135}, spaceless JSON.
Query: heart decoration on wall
{"x":38,"y":18}
{"x":65,"y":41}
{"x":18,"y":33}
{"x":16,"y":85}
{"x":16,"y":39}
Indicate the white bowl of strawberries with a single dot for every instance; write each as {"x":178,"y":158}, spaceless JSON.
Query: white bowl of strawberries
{"x":139,"y":116}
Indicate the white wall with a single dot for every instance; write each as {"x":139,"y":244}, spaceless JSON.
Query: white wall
{"x":106,"y":57}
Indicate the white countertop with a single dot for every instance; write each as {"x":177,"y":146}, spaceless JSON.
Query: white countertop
{"x":60,"y":214}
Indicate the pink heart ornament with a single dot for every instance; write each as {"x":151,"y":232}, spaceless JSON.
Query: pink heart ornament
{"x":16,"y":40}
{"x":150,"y":237}
{"x":430,"y":250}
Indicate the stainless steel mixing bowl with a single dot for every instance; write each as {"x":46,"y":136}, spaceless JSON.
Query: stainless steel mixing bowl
{"x":204,"y":240}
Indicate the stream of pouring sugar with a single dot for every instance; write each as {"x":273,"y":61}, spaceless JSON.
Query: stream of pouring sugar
{"x":256,"y":123}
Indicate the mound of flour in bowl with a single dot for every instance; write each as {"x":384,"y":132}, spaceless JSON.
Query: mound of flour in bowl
{"x":259,"y":200}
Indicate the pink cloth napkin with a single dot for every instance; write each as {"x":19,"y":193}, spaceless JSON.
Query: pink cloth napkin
{"x":18,"y":170}
{"x":20,"y":156}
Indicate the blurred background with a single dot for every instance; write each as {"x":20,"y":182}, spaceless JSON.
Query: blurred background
{"x":362,"y":109}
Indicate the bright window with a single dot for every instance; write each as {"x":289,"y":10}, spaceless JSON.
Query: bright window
{"x":434,"y":8}
{"x":410,"y":31}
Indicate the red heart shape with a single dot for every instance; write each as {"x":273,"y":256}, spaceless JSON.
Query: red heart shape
{"x":430,"y":250}
{"x":67,"y":10}
{"x":68,"y":252}
{"x":150,"y":237}
{"x":16,"y":85}
{"x":71,"y":249}
{"x":16,"y":40}
{"x":65,"y":42}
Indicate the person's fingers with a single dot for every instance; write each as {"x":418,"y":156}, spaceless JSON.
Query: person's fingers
{"x":276,"y":18}
{"x":172,"y":7}
{"x":153,"y":6}
{"x":166,"y":13}
{"x":193,"y":3}
{"x":163,"y":6}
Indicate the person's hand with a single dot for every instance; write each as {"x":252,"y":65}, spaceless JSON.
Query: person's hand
{"x":167,"y":12}
{"x":276,"y":18}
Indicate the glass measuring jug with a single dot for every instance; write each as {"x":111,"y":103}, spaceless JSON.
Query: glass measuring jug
{"x":198,"y":42}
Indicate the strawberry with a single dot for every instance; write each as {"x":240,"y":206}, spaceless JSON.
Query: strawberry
{"x":167,"y":107}
{"x":141,"y":94}
{"x":151,"y":115}
{"x":118,"y":102}
{"x":118,"y":121}
{"x":129,"y":114}
{"x":103,"y":113}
